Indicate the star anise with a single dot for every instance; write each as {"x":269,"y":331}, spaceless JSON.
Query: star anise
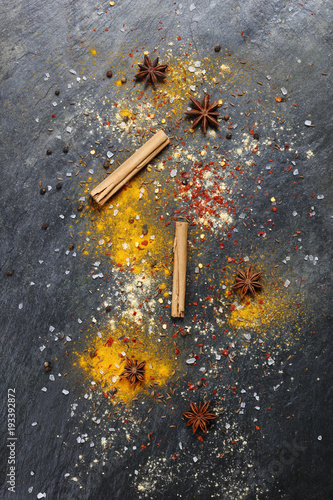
{"x":151,"y":71}
{"x":134,"y":372}
{"x":199,"y":416}
{"x":205,"y":113}
{"x":247,"y":282}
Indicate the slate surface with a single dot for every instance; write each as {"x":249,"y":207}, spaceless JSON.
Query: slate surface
{"x":289,"y":455}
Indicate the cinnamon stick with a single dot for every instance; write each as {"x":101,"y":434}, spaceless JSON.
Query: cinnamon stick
{"x":129,"y":168}
{"x":179,"y":270}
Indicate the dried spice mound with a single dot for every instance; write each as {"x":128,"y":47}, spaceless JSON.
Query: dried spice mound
{"x":247,"y":282}
{"x":134,"y":372}
{"x":200,"y":416}
{"x":204,"y":113}
{"x":151,"y":72}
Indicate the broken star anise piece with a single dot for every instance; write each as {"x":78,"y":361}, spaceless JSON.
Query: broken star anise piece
{"x":204,"y":113}
{"x":134,"y":372}
{"x":247,"y":282}
{"x":200,"y":416}
{"x":152,"y":72}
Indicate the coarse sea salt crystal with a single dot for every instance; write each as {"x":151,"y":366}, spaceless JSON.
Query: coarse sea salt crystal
{"x":320,"y":197}
{"x":307,"y":123}
{"x":284,"y":91}
{"x":191,"y":69}
{"x":173,"y":172}
{"x":192,"y":87}
{"x":286,"y":283}
{"x":195,"y":459}
{"x":190,"y":361}
{"x":52,"y":377}
{"x":64,"y":391}
{"x":192,"y":7}
{"x":72,"y":71}
{"x":295,"y":172}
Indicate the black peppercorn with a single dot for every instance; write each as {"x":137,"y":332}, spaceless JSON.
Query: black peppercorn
{"x":123,"y":80}
{"x":49,"y":152}
{"x":57,"y":92}
{"x":229,"y":135}
{"x":217,"y":48}
{"x":106,"y":164}
{"x":10,"y":273}
{"x":256,"y":137}
{"x":79,"y":208}
{"x":59,"y":186}
{"x":109,"y":73}
{"x":184,"y":182}
{"x":42,"y":191}
{"x":71,"y":246}
{"x":199,"y":383}
{"x":66,"y":148}
{"x":144,"y":230}
{"x":226,"y":117}
{"x":131,"y":220}
{"x":44,"y":225}
{"x":108,"y":309}
{"x":113,"y":390}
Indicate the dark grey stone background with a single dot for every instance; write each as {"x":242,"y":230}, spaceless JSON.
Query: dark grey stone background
{"x":286,"y":460}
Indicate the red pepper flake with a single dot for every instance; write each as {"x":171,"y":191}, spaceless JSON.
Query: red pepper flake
{"x":110,"y":342}
{"x":278,"y":99}
{"x":143,"y":446}
{"x":191,"y":387}
{"x":232,"y":307}
{"x":274,"y":209}
{"x":225,"y":352}
{"x":106,"y":395}
{"x":200,"y":438}
{"x":174,"y":457}
{"x":53,"y":116}
{"x":177,"y":351}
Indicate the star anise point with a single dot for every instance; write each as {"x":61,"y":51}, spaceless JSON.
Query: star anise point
{"x":204,"y":114}
{"x":247,"y":282}
{"x":199,"y":416}
{"x":151,"y":72}
{"x":134,"y":371}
